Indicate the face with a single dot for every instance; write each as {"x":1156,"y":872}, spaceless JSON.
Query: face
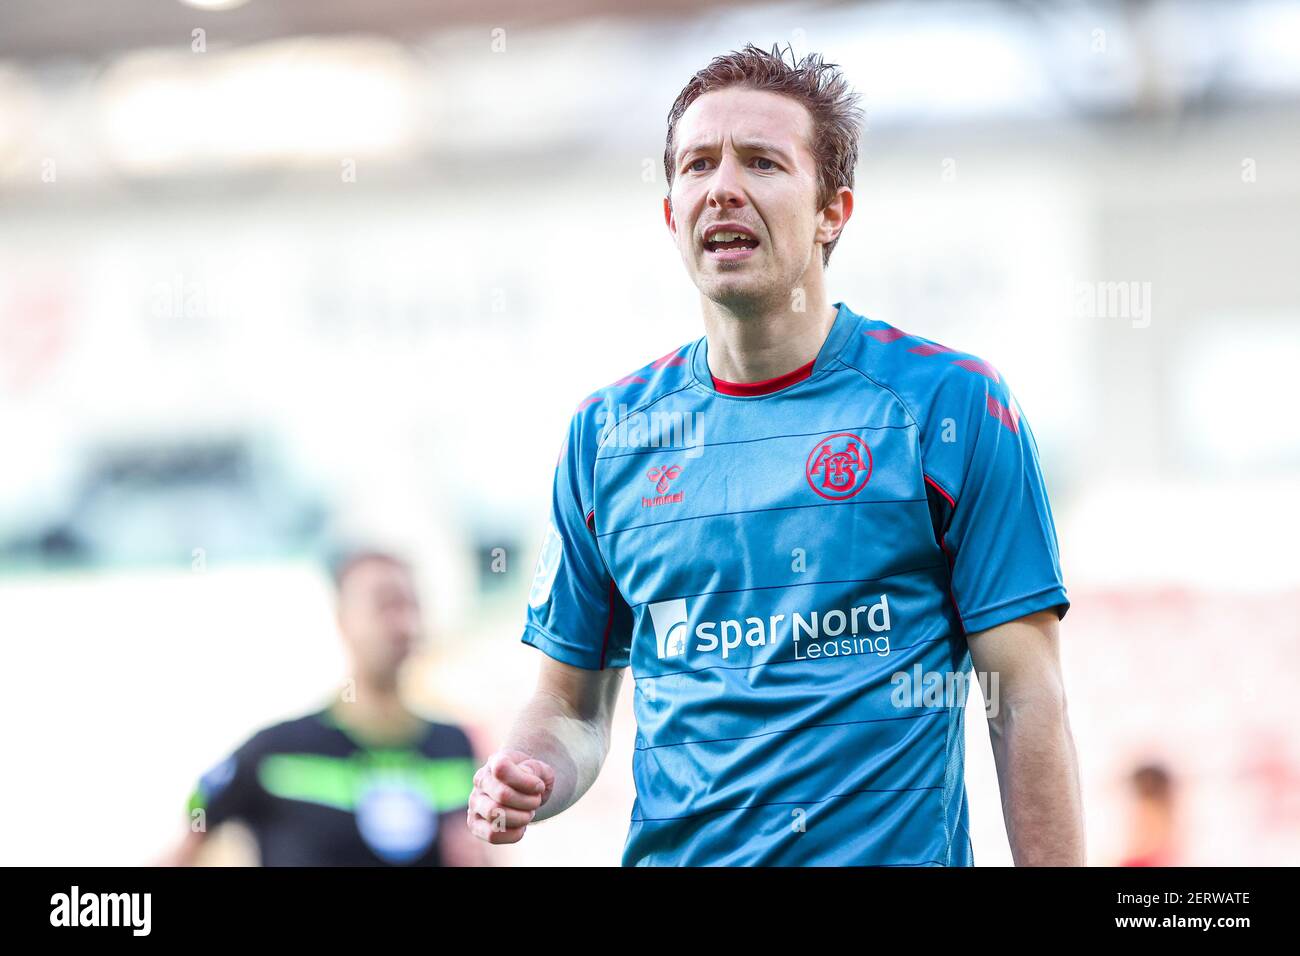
{"x":743,"y":159}
{"x":379,"y":617}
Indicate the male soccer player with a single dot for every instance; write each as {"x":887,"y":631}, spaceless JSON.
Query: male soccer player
{"x":799,"y":531}
{"x":364,"y":781}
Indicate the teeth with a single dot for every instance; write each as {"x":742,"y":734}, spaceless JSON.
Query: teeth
{"x":725,"y":236}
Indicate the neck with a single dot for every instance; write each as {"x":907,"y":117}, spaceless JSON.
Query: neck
{"x":376,"y":708}
{"x":765,"y":341}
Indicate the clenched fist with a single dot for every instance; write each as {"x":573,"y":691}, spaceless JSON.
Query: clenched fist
{"x":508,"y":790}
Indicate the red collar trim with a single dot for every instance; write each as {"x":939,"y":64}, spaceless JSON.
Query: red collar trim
{"x":765,"y":387}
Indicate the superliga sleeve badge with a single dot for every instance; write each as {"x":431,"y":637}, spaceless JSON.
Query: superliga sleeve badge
{"x":548,"y":565}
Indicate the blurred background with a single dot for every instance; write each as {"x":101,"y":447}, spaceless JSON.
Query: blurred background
{"x":278,"y":273}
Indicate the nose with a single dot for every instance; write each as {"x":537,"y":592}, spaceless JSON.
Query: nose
{"x":724,"y":189}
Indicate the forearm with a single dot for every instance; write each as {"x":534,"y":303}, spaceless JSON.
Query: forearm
{"x":1038,"y":772}
{"x":185,"y":852}
{"x":550,"y":730}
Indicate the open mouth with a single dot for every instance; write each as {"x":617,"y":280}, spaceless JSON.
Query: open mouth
{"x":730,"y":243}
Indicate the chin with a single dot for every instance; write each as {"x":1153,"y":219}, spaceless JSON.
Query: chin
{"x":397,"y":655}
{"x":740,"y":294}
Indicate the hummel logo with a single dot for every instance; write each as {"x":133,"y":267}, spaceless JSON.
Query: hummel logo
{"x":662,"y":477}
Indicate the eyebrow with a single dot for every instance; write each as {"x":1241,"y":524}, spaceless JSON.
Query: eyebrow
{"x":748,"y":146}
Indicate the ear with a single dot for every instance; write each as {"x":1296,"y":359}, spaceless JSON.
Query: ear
{"x":835,"y":216}
{"x":669,"y":219}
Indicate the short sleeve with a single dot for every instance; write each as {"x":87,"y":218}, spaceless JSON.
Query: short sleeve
{"x":996,"y":528}
{"x":230,"y":789}
{"x":575,"y":613}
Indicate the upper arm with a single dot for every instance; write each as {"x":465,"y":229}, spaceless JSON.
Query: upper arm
{"x":576,"y":614}
{"x":589,"y":695}
{"x":230,"y":789}
{"x":989,"y":502}
{"x":1021,"y":659}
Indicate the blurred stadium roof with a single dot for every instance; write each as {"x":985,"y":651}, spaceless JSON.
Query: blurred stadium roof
{"x":114,"y":90}
{"x":39,"y":29}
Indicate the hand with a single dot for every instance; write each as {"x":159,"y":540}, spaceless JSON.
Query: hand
{"x":508,"y":790}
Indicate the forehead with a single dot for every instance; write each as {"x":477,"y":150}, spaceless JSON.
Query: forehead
{"x":371,"y":573}
{"x":742,"y":114}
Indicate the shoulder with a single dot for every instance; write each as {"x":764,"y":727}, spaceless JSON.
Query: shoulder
{"x":637,"y":391}
{"x":934,"y":381}
{"x":293,"y":734}
{"x":446,"y":740}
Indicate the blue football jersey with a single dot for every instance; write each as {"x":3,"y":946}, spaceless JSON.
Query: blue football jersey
{"x":791,"y":568}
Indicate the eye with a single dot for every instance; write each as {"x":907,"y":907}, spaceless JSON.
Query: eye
{"x":763,"y":159}
{"x":691,"y":166}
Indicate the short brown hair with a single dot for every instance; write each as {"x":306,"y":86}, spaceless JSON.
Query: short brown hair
{"x":342,"y":562}
{"x":819,"y":86}
{"x":1153,"y":782}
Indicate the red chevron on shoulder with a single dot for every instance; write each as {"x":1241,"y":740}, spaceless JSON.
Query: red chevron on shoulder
{"x":672,"y":358}
{"x":1006,"y":414}
{"x":980,"y":366}
{"x":632,"y":379}
{"x":929,"y":348}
